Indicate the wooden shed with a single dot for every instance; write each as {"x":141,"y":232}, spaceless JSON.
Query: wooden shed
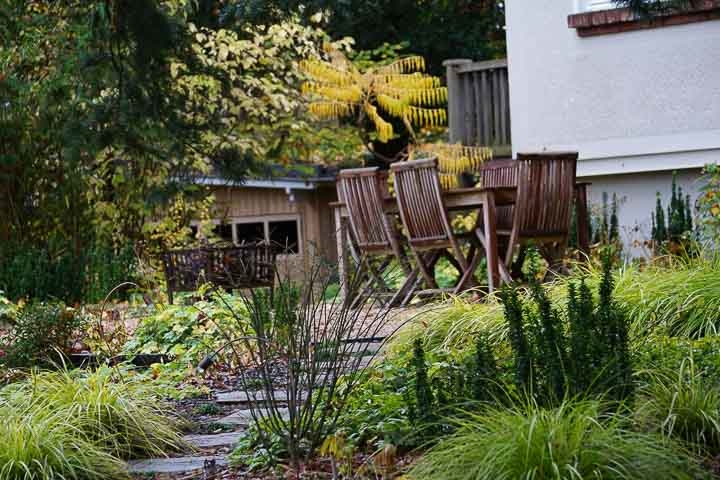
{"x":291,"y":212}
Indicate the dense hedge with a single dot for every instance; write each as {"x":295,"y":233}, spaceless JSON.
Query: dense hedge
{"x":62,"y":273}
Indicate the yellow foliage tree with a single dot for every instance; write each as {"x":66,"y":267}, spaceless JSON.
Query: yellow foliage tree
{"x":400,"y":90}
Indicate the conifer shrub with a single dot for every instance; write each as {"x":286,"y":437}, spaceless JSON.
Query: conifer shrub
{"x":581,"y":350}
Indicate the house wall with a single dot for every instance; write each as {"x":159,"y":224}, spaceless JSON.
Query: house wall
{"x":309,"y":206}
{"x":636,"y":193}
{"x":629,"y":103}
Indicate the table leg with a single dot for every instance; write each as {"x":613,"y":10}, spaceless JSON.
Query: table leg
{"x":581,"y":210}
{"x":491,"y":246}
{"x":341,"y":238}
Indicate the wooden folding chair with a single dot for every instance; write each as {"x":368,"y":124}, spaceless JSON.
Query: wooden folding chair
{"x":372,"y":230}
{"x":543,"y":206}
{"x":423,"y":214}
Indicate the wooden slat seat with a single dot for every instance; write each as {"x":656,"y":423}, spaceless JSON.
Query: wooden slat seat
{"x":373,"y":231}
{"x":424,"y":217}
{"x":543,"y":208}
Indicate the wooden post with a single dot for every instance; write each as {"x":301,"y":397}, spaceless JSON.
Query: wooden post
{"x":456,"y":98}
{"x":341,"y":237}
{"x":581,"y":210}
{"x":491,"y":247}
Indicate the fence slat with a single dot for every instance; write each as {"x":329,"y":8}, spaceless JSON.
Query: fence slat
{"x":479,"y":96}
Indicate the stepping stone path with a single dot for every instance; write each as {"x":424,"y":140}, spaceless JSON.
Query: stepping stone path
{"x":244,"y":397}
{"x":174,"y":465}
{"x":240,"y":418}
{"x":244,"y":417}
{"x":214,"y":440}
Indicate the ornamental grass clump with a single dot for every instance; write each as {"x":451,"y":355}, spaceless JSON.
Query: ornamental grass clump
{"x":123,"y":417}
{"x":40,"y":444}
{"x":684,"y":405}
{"x":575,"y":440}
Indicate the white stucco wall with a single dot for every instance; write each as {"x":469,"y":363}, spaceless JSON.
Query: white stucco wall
{"x":621,"y":100}
{"x":640,"y":101}
{"x":637,"y":194}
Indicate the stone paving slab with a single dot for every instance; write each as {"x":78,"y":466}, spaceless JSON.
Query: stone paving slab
{"x":214,"y":440}
{"x":174,"y":465}
{"x":252,"y":397}
{"x":244,"y":417}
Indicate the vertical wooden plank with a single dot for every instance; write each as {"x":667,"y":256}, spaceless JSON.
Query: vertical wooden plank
{"x":491,"y":246}
{"x":508,"y":120}
{"x":486,"y":109}
{"x":341,"y":235}
{"x":468,"y":109}
{"x":455,"y":99}
{"x":502,"y":106}
{"x":495,"y":104}
{"x":478,"y":120}
{"x":581,"y":210}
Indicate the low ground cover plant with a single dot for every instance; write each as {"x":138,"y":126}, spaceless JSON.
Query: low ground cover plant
{"x":189,"y":332}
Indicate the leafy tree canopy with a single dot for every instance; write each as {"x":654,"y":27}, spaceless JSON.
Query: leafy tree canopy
{"x":434,"y":29}
{"x":109,"y":108}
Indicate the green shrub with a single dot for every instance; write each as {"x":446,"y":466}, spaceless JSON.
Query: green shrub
{"x":40,"y":335}
{"x":572,"y":441}
{"x":123,"y":417}
{"x":709,"y":203}
{"x":684,"y":405}
{"x":42,"y":445}
{"x":59,"y":272}
{"x":553,"y":360}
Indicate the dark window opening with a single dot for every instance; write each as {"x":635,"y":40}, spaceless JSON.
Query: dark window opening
{"x":250,"y":233}
{"x":193,"y":232}
{"x":285,"y":235}
{"x":223,"y":231}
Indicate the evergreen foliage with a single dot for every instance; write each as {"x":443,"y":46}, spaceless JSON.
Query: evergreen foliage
{"x":679,"y":216}
{"x":587,"y":353}
{"x":423,"y":393}
{"x":485,"y":374}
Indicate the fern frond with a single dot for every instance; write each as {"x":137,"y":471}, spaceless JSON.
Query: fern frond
{"x":404,"y":65}
{"x":331,"y":110}
{"x":325,"y":73}
{"x":384,"y":129}
{"x":456,"y":159}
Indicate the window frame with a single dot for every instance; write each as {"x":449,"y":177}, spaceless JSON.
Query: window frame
{"x":265,"y":220}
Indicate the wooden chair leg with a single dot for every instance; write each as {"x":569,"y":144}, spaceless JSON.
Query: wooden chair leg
{"x":503,"y":271}
{"x":424,"y":270}
{"x":469,"y":273}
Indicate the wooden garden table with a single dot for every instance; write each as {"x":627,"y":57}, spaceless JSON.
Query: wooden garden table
{"x":482,"y":200}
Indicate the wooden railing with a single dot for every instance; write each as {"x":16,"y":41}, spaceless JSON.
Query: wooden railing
{"x":479,"y":104}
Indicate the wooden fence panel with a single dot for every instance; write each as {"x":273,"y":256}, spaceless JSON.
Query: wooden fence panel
{"x":479,"y":103}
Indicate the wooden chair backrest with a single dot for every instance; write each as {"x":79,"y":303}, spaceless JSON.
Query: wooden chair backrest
{"x":499,"y":173}
{"x":545,"y":183}
{"x":419,"y":198}
{"x":361,"y":191}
